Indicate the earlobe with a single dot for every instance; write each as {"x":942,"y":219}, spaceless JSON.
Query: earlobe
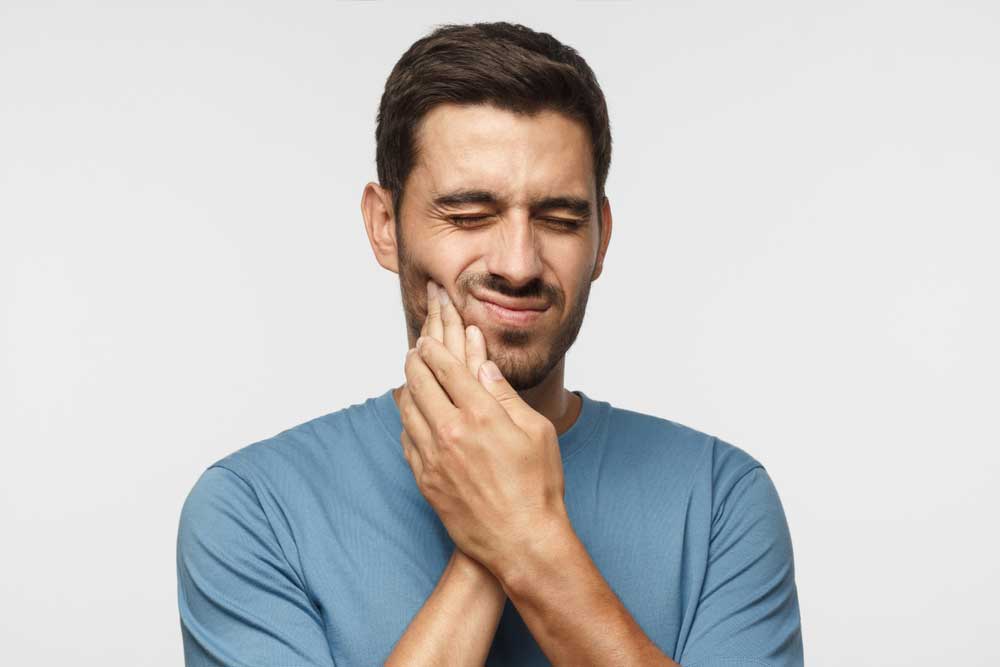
{"x":380,"y":225}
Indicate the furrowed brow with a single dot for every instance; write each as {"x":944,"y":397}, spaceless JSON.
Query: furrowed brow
{"x":460,"y":197}
{"x":575,"y":205}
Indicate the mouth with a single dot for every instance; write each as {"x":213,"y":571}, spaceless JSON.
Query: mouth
{"x":512,"y":312}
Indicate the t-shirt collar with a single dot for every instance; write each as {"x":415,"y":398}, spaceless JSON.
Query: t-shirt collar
{"x":570,"y":441}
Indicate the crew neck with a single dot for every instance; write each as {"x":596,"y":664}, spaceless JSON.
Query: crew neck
{"x":576,"y":436}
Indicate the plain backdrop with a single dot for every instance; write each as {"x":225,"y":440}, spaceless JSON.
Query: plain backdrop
{"x":803,"y":263}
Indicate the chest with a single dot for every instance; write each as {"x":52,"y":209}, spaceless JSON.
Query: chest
{"x":376,"y":560}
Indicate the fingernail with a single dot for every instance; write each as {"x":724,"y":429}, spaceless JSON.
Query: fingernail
{"x":443,"y":296}
{"x":431,"y":289}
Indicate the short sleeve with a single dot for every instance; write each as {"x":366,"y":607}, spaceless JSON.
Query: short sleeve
{"x":748,"y":611}
{"x":241,"y":603}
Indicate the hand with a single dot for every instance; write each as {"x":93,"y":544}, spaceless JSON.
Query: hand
{"x":444,"y":324}
{"x":487,"y":462}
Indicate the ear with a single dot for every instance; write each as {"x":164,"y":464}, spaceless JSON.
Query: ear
{"x":380,"y":223}
{"x":602,"y":249}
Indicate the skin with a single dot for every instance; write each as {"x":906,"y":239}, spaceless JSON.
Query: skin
{"x":458,"y":621}
{"x":485,"y":451}
{"x":516,"y":252}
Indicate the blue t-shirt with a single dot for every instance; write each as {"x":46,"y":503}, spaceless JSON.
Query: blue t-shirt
{"x":315,"y":546}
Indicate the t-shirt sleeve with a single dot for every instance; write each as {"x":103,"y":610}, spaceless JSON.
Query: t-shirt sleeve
{"x":240,"y":601}
{"x":748,"y":612}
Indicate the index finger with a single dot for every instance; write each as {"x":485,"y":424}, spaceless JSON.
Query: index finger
{"x":433,"y":323}
{"x":454,"y":329}
{"x":464,"y":390}
{"x":426,"y":391}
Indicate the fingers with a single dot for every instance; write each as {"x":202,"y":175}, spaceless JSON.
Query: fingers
{"x":475,"y":349}
{"x":430,"y":397}
{"x":413,"y":422}
{"x":411,"y":452}
{"x":454,"y":329}
{"x":465,"y":391}
{"x":433,"y":325}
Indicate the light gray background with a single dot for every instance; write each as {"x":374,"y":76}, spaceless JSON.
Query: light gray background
{"x":803,"y":263}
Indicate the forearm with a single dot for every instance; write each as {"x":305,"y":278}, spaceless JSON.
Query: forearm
{"x":457,"y":623}
{"x":570,"y":610}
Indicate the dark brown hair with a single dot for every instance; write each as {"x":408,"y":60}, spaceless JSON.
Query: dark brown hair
{"x":507,"y":65}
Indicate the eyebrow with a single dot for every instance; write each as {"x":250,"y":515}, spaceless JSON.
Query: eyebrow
{"x":575,"y":205}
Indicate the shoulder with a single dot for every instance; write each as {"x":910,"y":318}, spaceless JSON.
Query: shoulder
{"x":271,"y":486}
{"x":717,"y":461}
{"x":301,"y":451}
{"x":286,"y":480}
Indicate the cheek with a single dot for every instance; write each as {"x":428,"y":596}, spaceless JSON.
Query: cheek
{"x":445,"y":268}
{"x":435,"y":255}
{"x":415,"y":277}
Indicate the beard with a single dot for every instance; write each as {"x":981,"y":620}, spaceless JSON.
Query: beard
{"x":524,"y":359}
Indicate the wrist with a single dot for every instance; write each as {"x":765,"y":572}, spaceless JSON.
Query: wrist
{"x":469,"y":569}
{"x":546,"y":548}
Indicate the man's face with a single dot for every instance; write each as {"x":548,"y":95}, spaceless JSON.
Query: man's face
{"x":522,"y":249}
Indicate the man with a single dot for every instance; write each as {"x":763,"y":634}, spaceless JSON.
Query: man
{"x":480,"y":512}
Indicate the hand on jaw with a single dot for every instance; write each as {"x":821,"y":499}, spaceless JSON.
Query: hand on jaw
{"x":486,"y":462}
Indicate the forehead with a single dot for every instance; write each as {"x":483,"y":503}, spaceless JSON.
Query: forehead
{"x":481,"y":146}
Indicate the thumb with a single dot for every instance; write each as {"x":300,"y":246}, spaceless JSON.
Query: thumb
{"x":495,"y":383}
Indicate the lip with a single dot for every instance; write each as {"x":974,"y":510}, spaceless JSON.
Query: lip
{"x":505,"y":311}
{"x":511,"y":304}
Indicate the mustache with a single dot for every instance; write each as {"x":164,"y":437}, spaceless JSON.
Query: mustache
{"x":532,"y":290}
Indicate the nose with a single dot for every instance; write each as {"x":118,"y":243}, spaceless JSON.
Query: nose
{"x":515,"y":251}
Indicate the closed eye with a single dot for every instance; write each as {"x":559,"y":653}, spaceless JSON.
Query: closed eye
{"x":465,"y":220}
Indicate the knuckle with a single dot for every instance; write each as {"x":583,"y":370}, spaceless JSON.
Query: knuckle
{"x":409,"y":365}
{"x":429,"y":473}
{"x":429,"y":480}
{"x":479,"y":417}
{"x":544,"y":429}
{"x":450,"y":432}
{"x":406,"y":413}
{"x":428,"y":461}
{"x":443,"y":372}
